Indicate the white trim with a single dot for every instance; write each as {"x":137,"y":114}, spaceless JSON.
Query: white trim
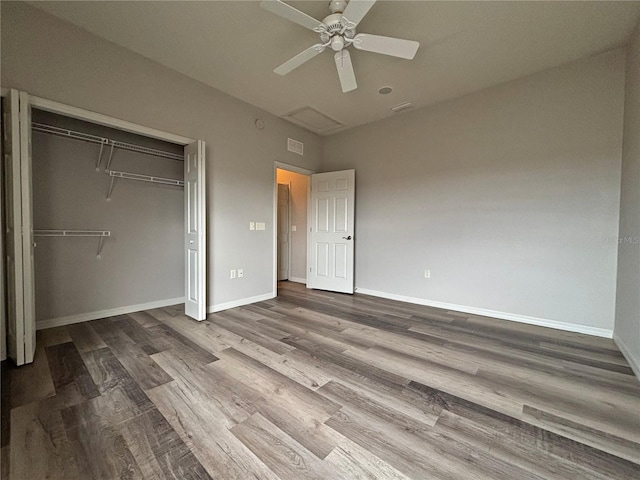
{"x":100,"y":119}
{"x":298,"y":280}
{"x":239,"y":303}
{"x":634,"y":362}
{"x":111,"y":312}
{"x":293,"y":168}
{"x":541,"y":322}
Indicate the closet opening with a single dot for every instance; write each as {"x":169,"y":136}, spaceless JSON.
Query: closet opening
{"x":103,"y":217}
{"x":108,"y":219}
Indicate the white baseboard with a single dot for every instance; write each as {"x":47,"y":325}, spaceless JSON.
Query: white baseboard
{"x":85,"y":317}
{"x":239,"y":303}
{"x":626,"y":351}
{"x":541,"y":322}
{"x":298,"y":280}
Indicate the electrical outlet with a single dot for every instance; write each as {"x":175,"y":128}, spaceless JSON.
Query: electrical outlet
{"x":233,"y":274}
{"x":240,"y":273}
{"x":427,"y":274}
{"x":252,"y":225}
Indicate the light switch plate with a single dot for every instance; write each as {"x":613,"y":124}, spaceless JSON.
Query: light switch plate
{"x":260,"y":225}
{"x":293,"y":228}
{"x":252,"y":225}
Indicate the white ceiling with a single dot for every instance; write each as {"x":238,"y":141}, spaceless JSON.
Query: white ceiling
{"x":464,"y":47}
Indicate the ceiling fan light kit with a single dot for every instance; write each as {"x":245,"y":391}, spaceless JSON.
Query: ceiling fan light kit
{"x":338,"y":31}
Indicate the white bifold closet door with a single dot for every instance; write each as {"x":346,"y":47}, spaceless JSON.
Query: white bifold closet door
{"x":21,"y":321}
{"x":195,"y":217}
{"x":331,"y":249}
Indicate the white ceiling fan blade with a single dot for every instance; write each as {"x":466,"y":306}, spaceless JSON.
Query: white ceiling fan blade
{"x":292,"y":14}
{"x":345,"y":71}
{"x":396,"y":47}
{"x":357,"y":9}
{"x":299,"y":59}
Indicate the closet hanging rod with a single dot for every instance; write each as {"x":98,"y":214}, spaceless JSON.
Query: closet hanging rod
{"x":71,"y":233}
{"x":76,"y":233}
{"x":141,"y":178}
{"x":102,"y":141}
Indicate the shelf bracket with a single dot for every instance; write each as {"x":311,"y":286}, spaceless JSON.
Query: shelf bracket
{"x":99,"y":157}
{"x":99,"y":254}
{"x":106,"y":169}
{"x":113,"y":179}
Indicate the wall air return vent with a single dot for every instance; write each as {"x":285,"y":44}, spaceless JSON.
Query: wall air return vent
{"x":312,"y":119}
{"x":295,"y":146}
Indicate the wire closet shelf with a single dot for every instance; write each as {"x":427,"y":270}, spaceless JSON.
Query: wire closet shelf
{"x":103,"y":141}
{"x":101,"y":234}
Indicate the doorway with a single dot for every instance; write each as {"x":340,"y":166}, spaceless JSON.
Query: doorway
{"x":291,"y":200}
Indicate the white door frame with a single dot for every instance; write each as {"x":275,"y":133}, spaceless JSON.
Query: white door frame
{"x":290,"y":168}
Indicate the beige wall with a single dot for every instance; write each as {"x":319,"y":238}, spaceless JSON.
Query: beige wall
{"x":50,"y":58}
{"x":299,"y":186}
{"x":505,"y":195}
{"x":627,"y":326}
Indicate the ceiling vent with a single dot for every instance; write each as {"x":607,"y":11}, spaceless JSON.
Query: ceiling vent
{"x":312,"y":119}
{"x":401,"y":107}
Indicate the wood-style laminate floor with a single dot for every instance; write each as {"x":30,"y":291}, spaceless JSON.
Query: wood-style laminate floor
{"x":315,"y":385}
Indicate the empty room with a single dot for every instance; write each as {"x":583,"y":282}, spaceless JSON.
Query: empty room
{"x":336,"y":239}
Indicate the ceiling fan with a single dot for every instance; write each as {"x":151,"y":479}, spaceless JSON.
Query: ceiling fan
{"x":338,"y":31}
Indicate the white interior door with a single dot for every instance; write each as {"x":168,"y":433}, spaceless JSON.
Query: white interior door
{"x":21,"y":326}
{"x":331,"y":231}
{"x":283,"y":232}
{"x":195,"y":231}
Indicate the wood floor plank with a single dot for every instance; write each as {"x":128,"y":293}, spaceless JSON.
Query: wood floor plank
{"x":522,"y":433}
{"x":302,"y":425}
{"x":281,"y":453}
{"x":199,"y":425}
{"x":145,"y":319}
{"x":135,"y":360}
{"x":284,"y":364}
{"x":198,"y":332}
{"x":275,"y":385}
{"x":355,"y":462}
{"x":250,"y":333}
{"x":101,"y":451}
{"x":31,"y":382}
{"x":158,"y":449}
{"x":54,"y":336}
{"x":208,"y":385}
{"x":84,"y":337}
{"x":40,"y":446}
{"x":70,"y":376}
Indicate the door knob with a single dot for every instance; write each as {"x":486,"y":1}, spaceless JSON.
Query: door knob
{"x":190,"y":241}
{"x":347,"y":238}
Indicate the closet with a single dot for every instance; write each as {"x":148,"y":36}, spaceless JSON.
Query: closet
{"x":108,"y":218}
{"x":101,"y":217}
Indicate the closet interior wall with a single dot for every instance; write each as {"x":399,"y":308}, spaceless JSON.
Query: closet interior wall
{"x":142,"y":261}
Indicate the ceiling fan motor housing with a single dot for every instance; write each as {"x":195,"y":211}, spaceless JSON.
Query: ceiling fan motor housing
{"x":334,"y":24}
